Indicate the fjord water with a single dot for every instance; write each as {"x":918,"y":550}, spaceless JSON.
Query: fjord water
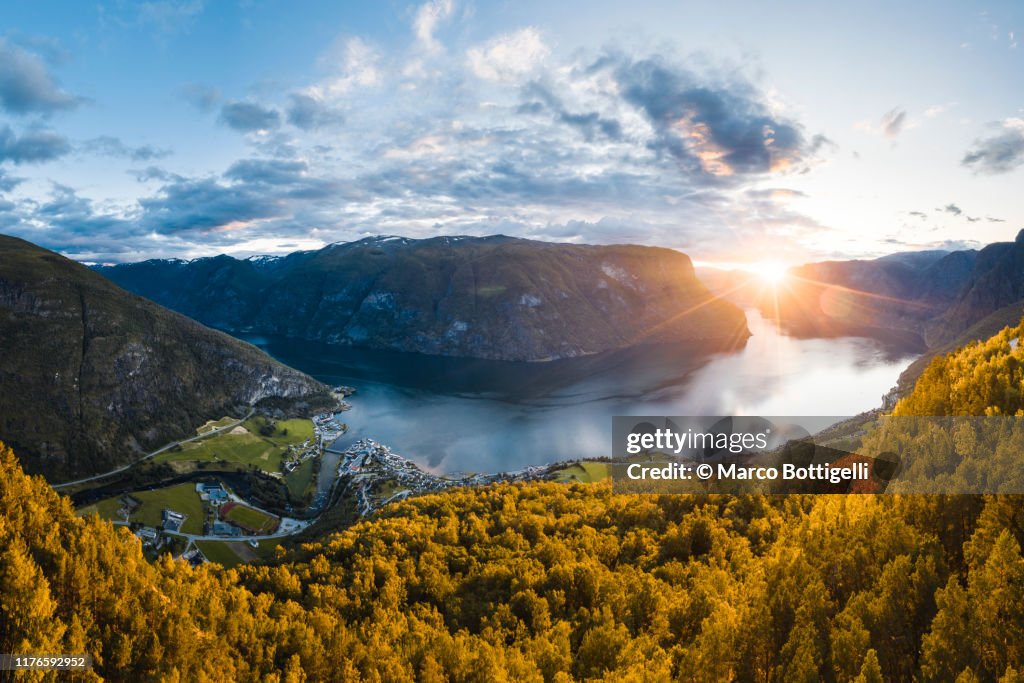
{"x":457,"y":414}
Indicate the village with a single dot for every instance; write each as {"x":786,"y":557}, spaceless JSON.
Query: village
{"x":378,"y":476}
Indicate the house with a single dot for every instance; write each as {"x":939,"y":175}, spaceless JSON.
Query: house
{"x":173,"y":520}
{"x":214,"y":493}
{"x":147,"y":534}
{"x":225,"y":529}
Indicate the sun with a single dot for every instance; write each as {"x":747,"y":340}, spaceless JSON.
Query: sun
{"x":770,"y":272}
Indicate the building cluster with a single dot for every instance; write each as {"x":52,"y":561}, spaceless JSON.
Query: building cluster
{"x":379,"y":476}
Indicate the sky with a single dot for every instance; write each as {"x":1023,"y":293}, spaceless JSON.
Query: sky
{"x":737,"y":132}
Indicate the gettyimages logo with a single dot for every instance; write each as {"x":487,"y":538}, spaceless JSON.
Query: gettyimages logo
{"x":746,"y":455}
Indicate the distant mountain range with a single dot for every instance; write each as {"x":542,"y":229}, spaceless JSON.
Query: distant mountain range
{"x":945,"y":299}
{"x":92,"y":375}
{"x":485,"y":297}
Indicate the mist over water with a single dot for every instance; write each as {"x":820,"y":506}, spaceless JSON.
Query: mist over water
{"x":453,"y":414}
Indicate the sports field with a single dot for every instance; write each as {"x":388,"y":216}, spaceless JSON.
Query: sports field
{"x":249,"y":519}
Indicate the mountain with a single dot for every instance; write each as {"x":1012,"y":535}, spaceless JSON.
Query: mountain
{"x":898,"y":292}
{"x":997,"y":281}
{"x":488,"y":297}
{"x":93,"y":376}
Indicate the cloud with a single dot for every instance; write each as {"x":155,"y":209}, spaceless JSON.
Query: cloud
{"x":311,"y":113}
{"x":8,"y":182}
{"x":428,"y":18}
{"x":508,"y":57}
{"x":269,"y":171}
{"x":717,"y":129}
{"x":951,"y":208}
{"x":892,"y":122}
{"x":202,"y":97}
{"x":1000,"y":153}
{"x":360,"y":67}
{"x":151,"y":173}
{"x":107,"y":145}
{"x":249,"y":117}
{"x":34,"y":146}
{"x":938,"y":109}
{"x":205,"y":205}
{"x":539,"y":98}
{"x":26,"y":87}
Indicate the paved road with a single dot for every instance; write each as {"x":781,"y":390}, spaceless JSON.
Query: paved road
{"x":169,"y":446}
{"x":241,"y":539}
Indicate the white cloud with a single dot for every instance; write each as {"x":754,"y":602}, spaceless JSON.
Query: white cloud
{"x":428,"y":18}
{"x":359,"y":67}
{"x":508,"y":57}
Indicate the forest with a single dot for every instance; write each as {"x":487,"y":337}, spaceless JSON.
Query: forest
{"x":557,"y":582}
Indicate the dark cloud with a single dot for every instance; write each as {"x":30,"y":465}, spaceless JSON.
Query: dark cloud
{"x":205,"y":205}
{"x":35,"y":145}
{"x":951,"y":208}
{"x":919,"y":214}
{"x":108,"y":145}
{"x":26,"y":86}
{"x":990,"y":219}
{"x":716,"y":129}
{"x":1000,"y":153}
{"x":309,"y":113}
{"x":892,"y":122}
{"x":248,"y":117}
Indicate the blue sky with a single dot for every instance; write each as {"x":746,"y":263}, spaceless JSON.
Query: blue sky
{"x":735,"y":131}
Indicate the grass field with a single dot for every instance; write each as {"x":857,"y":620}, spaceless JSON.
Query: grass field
{"x":586,"y":472}
{"x":244,"y":445}
{"x":219,"y":552}
{"x":181,"y":498}
{"x":250,"y":519}
{"x":233,"y":553}
{"x":215,"y":424}
{"x":300,"y":479}
{"x":287,"y":431}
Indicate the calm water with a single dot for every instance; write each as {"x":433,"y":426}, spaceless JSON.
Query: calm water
{"x":486,"y":416}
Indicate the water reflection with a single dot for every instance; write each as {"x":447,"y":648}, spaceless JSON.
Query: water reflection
{"x":452,"y":414}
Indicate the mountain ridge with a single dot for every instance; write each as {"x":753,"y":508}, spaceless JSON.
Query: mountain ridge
{"x":94,"y":375}
{"x":495,"y":297}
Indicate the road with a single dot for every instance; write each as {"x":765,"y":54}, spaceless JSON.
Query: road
{"x":242,"y":539}
{"x":168,"y":447}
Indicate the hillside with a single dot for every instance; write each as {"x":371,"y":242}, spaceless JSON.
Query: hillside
{"x":540,"y":582}
{"x":490,"y":297}
{"x":93,"y":376}
{"x":554,"y":582}
{"x":997,"y":282}
{"x":901,"y":292}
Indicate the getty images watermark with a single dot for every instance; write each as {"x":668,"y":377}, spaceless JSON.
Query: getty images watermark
{"x":860,"y":454}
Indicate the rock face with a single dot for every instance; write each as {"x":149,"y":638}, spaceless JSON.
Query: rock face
{"x":91,"y":375}
{"x":996,"y":281}
{"x":491,"y":297}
